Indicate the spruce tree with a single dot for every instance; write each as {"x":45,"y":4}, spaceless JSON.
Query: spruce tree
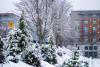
{"x":74,"y":61}
{"x":22,"y":23}
{"x":48,"y":54}
{"x":18,"y":40}
{"x":28,"y":54}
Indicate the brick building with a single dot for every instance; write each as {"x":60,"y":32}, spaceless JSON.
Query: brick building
{"x":88,"y":27}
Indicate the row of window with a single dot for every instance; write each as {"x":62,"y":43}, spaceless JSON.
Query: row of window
{"x":97,"y":15}
{"x":86,"y":22}
{"x":90,"y":40}
{"x":92,"y":54}
{"x":90,"y":47}
{"x":87,"y":28}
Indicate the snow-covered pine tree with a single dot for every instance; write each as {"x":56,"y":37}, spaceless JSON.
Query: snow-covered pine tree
{"x":31,"y":59}
{"x":28,"y":55}
{"x":74,"y":61}
{"x":48,"y":54}
{"x":18,"y":40}
{"x":2,"y":57}
{"x":86,"y":64}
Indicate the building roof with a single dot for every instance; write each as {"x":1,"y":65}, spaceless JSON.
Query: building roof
{"x":7,"y":14}
{"x":87,"y":11}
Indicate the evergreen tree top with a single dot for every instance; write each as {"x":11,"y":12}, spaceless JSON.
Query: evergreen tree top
{"x":22,"y":22}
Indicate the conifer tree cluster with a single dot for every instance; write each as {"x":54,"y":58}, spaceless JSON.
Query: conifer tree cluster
{"x":20,"y":43}
{"x":74,"y":61}
{"x":20,"y":47}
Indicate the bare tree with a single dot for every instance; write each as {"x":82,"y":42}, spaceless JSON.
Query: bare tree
{"x":61,"y":26}
{"x":43,"y":15}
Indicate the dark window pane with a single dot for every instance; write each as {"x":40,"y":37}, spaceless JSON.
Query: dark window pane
{"x":86,"y":47}
{"x":95,"y":53}
{"x":90,"y":54}
{"x":90,"y":47}
{"x":95,"y":47}
{"x":86,"y":54}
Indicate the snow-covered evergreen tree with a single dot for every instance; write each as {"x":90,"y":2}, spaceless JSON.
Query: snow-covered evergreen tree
{"x":18,"y":40}
{"x":2,"y":57}
{"x":74,"y":61}
{"x":48,"y":54}
{"x":31,"y":59}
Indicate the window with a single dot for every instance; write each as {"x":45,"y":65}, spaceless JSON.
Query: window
{"x":90,"y":54}
{"x":86,"y":32}
{"x":90,"y":47}
{"x":85,"y":39}
{"x":86,"y":54}
{"x":98,"y":15}
{"x":82,"y":15}
{"x":94,"y":28}
{"x":85,"y":28}
{"x":94,"y":22}
{"x":90,"y":15}
{"x":86,"y":47}
{"x":86,"y":22}
{"x":95,"y":54}
{"x":91,"y":51}
{"x":95,"y":47}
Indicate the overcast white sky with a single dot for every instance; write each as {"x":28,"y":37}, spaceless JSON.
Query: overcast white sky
{"x":8,"y":5}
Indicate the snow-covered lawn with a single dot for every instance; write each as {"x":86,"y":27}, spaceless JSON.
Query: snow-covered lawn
{"x":11,"y":64}
{"x":96,"y":63}
{"x":22,"y":64}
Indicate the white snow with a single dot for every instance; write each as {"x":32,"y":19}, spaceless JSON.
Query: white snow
{"x":11,"y":64}
{"x":22,"y":64}
{"x":96,"y":63}
{"x":46,"y":64}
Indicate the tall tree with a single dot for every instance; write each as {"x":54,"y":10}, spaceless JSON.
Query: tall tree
{"x":42,"y":15}
{"x":18,"y":40}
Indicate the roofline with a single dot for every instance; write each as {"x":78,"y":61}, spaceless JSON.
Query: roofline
{"x":3,"y":14}
{"x":83,"y":10}
{"x":8,"y":14}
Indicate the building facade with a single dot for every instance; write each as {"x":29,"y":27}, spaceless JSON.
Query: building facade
{"x":88,"y":27}
{"x":7,"y":22}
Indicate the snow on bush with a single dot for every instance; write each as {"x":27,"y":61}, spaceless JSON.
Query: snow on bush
{"x":48,"y":54}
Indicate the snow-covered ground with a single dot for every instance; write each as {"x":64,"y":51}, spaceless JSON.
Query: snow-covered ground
{"x":11,"y":64}
{"x":66,"y":55}
{"x":96,"y":63}
{"x":22,"y":64}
